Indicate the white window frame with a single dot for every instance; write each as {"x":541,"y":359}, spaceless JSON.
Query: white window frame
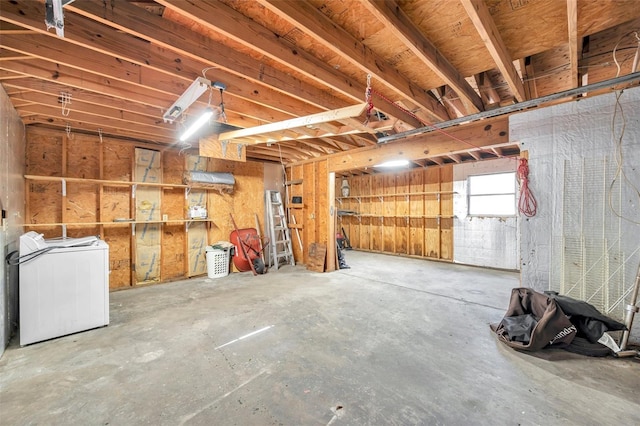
{"x":497,"y":194}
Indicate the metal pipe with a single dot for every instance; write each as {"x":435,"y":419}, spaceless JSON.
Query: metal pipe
{"x":631,"y":309}
{"x":514,"y":108}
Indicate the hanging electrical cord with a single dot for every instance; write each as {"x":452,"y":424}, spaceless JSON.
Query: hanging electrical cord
{"x":618,"y":111}
{"x":527,"y":204}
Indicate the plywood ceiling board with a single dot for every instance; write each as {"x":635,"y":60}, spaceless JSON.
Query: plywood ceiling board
{"x":552,"y":71}
{"x":447,"y":26}
{"x":240,"y":29}
{"x":398,"y":55}
{"x":597,"y":15}
{"x":528,"y":27}
{"x":343,"y":43}
{"x":351,"y":16}
{"x":239,"y":65}
{"x":136,"y":47}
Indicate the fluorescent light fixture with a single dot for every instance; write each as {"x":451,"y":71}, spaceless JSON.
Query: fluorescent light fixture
{"x":393,"y":163}
{"x":193,"y":92}
{"x":54,"y":16}
{"x":206,"y":115}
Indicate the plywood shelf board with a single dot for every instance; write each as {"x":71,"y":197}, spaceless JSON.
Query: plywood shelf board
{"x":103,"y":182}
{"x":400,"y":194}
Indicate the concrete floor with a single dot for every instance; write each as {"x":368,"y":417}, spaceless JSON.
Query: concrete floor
{"x":391,"y":341}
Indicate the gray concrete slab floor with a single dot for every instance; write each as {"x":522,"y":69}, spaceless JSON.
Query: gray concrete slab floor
{"x":390,"y":341}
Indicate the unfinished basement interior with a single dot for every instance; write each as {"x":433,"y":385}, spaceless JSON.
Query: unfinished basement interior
{"x":320,"y":212}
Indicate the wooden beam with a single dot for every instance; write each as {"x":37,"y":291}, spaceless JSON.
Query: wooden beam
{"x":100,"y":85}
{"x":310,"y":120}
{"x":529,"y":76}
{"x":489,"y":94}
{"x":478,"y":135}
{"x":395,"y":20}
{"x":225,"y":20}
{"x":481,"y":17}
{"x":574,"y":48}
{"x":49,"y":100}
{"x":455,"y":157}
{"x":453,"y":103}
{"x":178,"y":38}
{"x":307,"y":18}
{"x":96,"y":36}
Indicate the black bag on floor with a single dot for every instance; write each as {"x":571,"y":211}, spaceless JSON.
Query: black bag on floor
{"x":590,"y":323}
{"x":534,"y":321}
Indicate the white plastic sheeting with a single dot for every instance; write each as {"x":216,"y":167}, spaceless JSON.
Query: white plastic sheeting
{"x":578,"y":244}
{"x":483,"y":241}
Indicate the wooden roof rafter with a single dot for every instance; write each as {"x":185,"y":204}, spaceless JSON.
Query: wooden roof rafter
{"x":162,"y":32}
{"x":389,"y":12}
{"x":312,"y":22}
{"x":481,"y":17}
{"x":575,"y":45}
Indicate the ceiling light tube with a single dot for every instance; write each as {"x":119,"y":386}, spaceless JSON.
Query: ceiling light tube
{"x":193,"y":92}
{"x":393,"y":163}
{"x":206,"y":115}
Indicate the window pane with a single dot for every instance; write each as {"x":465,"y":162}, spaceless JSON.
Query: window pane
{"x":492,"y":205}
{"x":497,"y":183}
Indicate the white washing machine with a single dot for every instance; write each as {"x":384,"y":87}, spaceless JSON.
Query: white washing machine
{"x":64,"y":286}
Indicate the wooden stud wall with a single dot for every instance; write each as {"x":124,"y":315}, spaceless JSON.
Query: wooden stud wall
{"x":98,"y":173}
{"x":408,"y":213}
{"x":313,"y":217}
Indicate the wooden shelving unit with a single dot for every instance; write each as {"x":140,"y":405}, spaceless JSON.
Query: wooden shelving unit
{"x":409,"y":212}
{"x":113,"y":183}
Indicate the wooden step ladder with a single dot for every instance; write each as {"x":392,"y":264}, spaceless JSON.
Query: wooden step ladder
{"x":280,"y":248}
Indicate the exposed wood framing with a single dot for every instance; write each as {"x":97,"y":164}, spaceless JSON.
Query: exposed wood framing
{"x":395,"y":19}
{"x":306,"y":17}
{"x":479,"y":14}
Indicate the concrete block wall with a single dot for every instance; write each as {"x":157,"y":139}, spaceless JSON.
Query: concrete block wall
{"x":483,"y":241}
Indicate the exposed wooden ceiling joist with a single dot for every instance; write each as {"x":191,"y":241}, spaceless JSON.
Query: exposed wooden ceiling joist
{"x":388,"y":12}
{"x":310,"y":20}
{"x":481,"y":17}
{"x":574,"y":45}
{"x":124,"y":62}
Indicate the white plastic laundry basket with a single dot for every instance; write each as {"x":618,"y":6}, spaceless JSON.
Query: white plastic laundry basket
{"x":217,"y":262}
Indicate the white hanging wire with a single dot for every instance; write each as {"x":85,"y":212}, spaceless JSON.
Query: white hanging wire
{"x":100,"y":134}
{"x":617,"y":134}
{"x":68,"y":130}
{"x":65,"y":100}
